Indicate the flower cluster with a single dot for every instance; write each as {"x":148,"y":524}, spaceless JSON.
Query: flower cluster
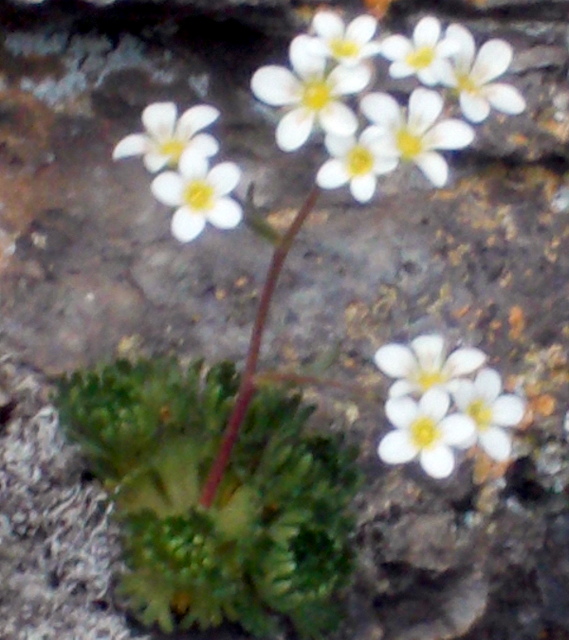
{"x":331,"y":65}
{"x":334,"y":62}
{"x":197,"y":190}
{"x":427,"y":384}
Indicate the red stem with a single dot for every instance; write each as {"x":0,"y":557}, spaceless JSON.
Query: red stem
{"x":247,"y":387}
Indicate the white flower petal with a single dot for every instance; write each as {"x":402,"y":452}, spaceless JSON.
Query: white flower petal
{"x":396,"y":448}
{"x":332,"y":174}
{"x":464,"y":361}
{"x":505,"y":98}
{"x":496,"y":442}
{"x":275,"y":86}
{"x":447,"y":74}
{"x":402,"y":388}
{"x":425,"y":107}
{"x":135,"y":144}
{"x":195,"y":119}
{"x":399,"y":70}
{"x":434,"y":167}
{"x":435,"y":403}
{"x":488,"y":384}
{"x":349,"y":80}
{"x":371,"y":135}
{"x":466,"y":50}
{"x":370,"y":49}
{"x":437,"y":462}
{"x":224,"y":177}
{"x":395,"y":360}
{"x":318,"y":47}
{"x":474,"y":107}
{"x":458,"y":429}
{"x":427,"y":32}
{"x":449,"y":134}
{"x":447,"y":47}
{"x":328,"y":25}
{"x":339,"y":119}
{"x":294,"y":129}
{"x":430,"y":351}
{"x":508,"y":410}
{"x":362,"y":188}
{"x":193,"y":164}
{"x":168,"y":188}
{"x":159,"y":119}
{"x":303,"y":60}
{"x":463,"y":393}
{"x":382,"y":109}
{"x":429,"y":76}
{"x":185,"y":225}
{"x":154,"y":161}
{"x":383,"y":165}
{"x":361,"y":29}
{"x":205,"y":144}
{"x":225,"y":214}
{"x":493,"y":58}
{"x":396,"y":48}
{"x":339,"y":146}
{"x":401,"y":411}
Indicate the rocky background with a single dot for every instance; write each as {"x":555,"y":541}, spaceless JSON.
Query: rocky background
{"x":88,"y":270}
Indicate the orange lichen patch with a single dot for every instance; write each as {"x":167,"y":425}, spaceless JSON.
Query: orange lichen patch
{"x":378,"y":8}
{"x":25,"y":131}
{"x":558,"y":128}
{"x":518,"y":139}
{"x":461,"y":312}
{"x":282,"y":219}
{"x":517,"y":322}
{"x":542,"y":404}
{"x":485,"y":468}
{"x":25,"y":128}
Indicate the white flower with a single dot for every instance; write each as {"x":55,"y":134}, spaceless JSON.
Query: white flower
{"x":346,"y":45}
{"x":472,"y":76}
{"x":311,"y":95}
{"x":424,"y":365}
{"x":358,"y":162}
{"x":168,"y":136}
{"x":423,"y":56}
{"x":423,"y":429}
{"x":415,"y":138}
{"x":483,"y":401}
{"x":200,"y":194}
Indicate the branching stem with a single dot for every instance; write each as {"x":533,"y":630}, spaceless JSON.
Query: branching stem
{"x":247,"y":387}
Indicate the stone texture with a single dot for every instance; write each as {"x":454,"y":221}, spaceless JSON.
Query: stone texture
{"x":88,"y":270}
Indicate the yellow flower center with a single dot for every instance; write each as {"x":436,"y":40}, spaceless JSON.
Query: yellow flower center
{"x":172,"y":148}
{"x":421,"y":58}
{"x":199,"y":195}
{"x":359,"y":161}
{"x":464,"y":82}
{"x":481,"y":413}
{"x":344,"y":48}
{"x":409,"y":145}
{"x":428,"y":379}
{"x":424,"y":432}
{"x":316,"y":95}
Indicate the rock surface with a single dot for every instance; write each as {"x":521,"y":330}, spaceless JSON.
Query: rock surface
{"x":88,"y":269}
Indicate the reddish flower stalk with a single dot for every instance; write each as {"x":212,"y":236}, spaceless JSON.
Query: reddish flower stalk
{"x":247,"y":387}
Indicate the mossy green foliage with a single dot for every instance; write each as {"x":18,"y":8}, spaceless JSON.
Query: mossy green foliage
{"x":275,"y":540}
